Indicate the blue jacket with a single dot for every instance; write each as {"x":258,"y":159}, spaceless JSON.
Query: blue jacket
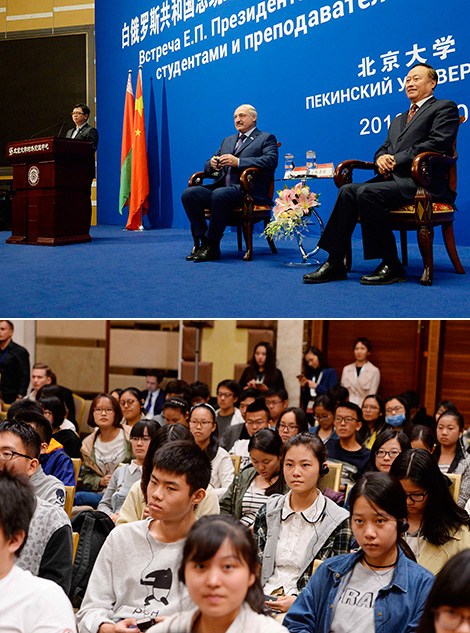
{"x":397,"y":608}
{"x":59,"y":464}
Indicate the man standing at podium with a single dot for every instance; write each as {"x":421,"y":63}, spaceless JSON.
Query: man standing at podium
{"x":84,"y":132}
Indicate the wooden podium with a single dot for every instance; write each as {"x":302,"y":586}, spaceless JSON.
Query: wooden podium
{"x":51,"y":183}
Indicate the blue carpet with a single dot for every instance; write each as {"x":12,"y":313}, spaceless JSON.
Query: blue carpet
{"x":142,"y":275}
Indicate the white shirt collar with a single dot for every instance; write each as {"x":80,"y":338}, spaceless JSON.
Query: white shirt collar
{"x":420,"y":103}
{"x":247,"y":134}
{"x":311,"y":514}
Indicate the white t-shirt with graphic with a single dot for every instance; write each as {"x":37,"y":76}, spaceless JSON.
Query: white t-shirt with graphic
{"x":354,"y":610}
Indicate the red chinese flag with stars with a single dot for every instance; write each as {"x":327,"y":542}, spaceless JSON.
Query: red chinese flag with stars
{"x":140,"y":175}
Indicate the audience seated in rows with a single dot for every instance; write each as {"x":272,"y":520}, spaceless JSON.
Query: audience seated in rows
{"x":176,"y":411}
{"x":203,"y":426}
{"x":422,"y":437}
{"x":127,"y":474}
{"x":324,"y":417}
{"x":238,"y":431}
{"x":47,"y":552}
{"x":149,"y":587}
{"x":257,"y":417}
{"x":227,"y":397}
{"x":43,"y":376}
{"x":135,"y":506}
{"x":292,"y":422}
{"x":277,"y":401}
{"x":54,"y":410}
{"x":29,"y":604}
{"x":103,"y":450}
{"x":53,"y":459}
{"x":346,"y":449}
{"x":287,"y":543}
{"x":213,"y":546}
{"x":450,"y":452}
{"x":438,"y":527}
{"x":131,"y":402}
{"x":374,"y":586}
{"x":255,"y":482}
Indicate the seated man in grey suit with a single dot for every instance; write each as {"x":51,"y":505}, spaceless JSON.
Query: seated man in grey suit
{"x":248,"y":148}
{"x":430,"y":125}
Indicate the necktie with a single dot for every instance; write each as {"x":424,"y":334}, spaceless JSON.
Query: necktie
{"x":149,"y":404}
{"x":228,"y":175}
{"x":411,"y":113}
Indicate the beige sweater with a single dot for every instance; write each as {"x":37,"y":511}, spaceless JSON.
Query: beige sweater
{"x":134,"y":505}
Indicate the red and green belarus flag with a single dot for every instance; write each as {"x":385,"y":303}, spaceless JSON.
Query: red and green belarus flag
{"x":126,"y":149}
{"x":139,"y":169}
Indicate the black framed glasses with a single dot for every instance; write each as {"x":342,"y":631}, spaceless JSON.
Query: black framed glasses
{"x":7,"y":455}
{"x":449,"y":619}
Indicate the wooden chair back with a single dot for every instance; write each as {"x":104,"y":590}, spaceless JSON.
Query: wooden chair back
{"x":236,"y":461}
{"x":69,"y":498}
{"x":332,"y":479}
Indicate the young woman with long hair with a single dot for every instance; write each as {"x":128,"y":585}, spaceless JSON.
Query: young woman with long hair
{"x":103,"y":450}
{"x":220,"y":569}
{"x":374,"y":419}
{"x":377,"y":588}
{"x":203,"y":426}
{"x":386,"y":448}
{"x":262,"y":373}
{"x":297,"y":529}
{"x":291,"y":422}
{"x":438,"y":527}
{"x":317,"y":377}
{"x":254,"y":484}
{"x":450,"y":451}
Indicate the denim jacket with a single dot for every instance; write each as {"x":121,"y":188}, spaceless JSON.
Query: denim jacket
{"x":397,"y":609}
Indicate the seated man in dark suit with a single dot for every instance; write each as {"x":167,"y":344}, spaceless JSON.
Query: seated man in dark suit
{"x":249,"y":148}
{"x":430,"y":125}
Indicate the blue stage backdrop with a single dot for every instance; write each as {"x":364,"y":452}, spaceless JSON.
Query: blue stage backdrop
{"x":325,"y":76}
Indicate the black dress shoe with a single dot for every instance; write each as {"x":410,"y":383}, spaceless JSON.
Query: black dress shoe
{"x":384,"y":275}
{"x":326,"y":272}
{"x":193,"y":254}
{"x":207,"y":253}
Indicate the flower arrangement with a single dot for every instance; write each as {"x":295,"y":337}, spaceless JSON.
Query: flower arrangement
{"x":290,"y":212}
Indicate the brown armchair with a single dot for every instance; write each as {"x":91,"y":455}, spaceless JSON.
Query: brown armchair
{"x":245,"y":217}
{"x":423,"y":215}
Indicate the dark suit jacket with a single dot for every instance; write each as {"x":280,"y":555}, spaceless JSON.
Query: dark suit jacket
{"x":432,"y":129}
{"x":258,"y":150}
{"x":159,"y":402}
{"x":86,"y":133}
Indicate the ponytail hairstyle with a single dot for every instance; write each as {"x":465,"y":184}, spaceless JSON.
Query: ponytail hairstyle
{"x":384,"y":492}
{"x":268,"y":441}
{"x":442,"y":517}
{"x":204,"y":540}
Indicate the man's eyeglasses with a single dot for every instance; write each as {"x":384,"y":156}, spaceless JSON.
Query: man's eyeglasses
{"x":7,"y":456}
{"x":349,"y":419}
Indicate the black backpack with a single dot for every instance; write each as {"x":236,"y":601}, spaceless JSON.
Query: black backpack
{"x":93,"y":527}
